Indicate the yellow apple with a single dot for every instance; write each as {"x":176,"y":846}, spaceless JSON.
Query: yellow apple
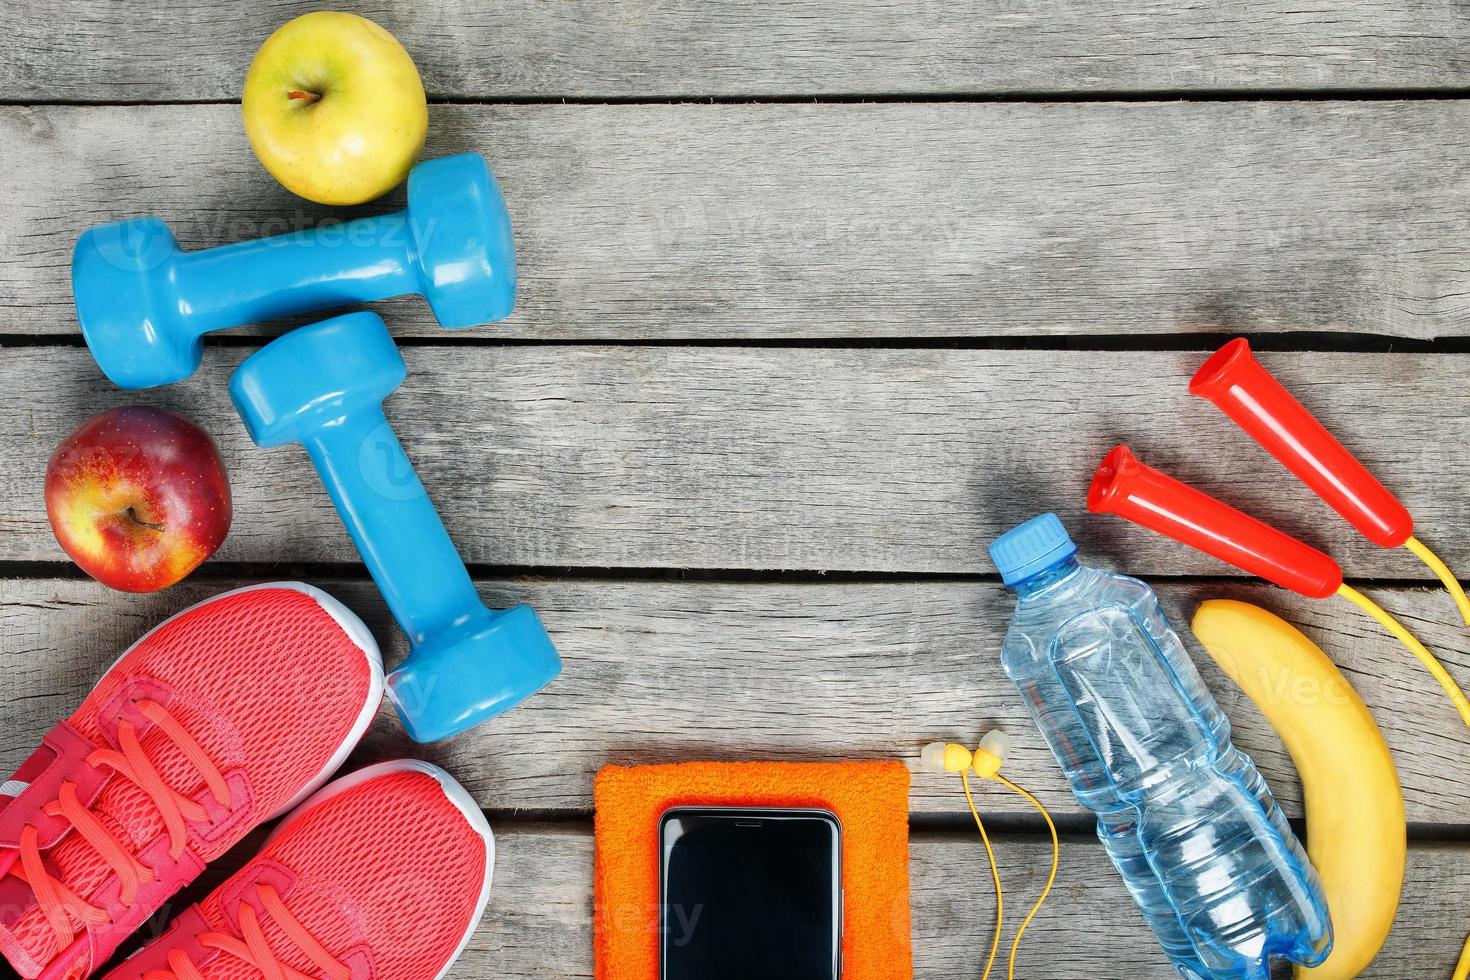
{"x":334,"y":108}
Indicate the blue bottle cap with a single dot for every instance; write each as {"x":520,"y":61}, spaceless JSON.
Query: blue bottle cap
{"x":1032,"y":547}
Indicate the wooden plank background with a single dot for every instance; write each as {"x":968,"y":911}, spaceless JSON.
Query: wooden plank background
{"x":750,"y":49}
{"x":839,"y":459}
{"x":664,"y":671}
{"x":544,"y":874}
{"x":898,"y":220}
{"x":541,"y":923}
{"x":816,"y":299}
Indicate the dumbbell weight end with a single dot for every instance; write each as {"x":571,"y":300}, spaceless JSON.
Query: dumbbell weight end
{"x":509,"y":656}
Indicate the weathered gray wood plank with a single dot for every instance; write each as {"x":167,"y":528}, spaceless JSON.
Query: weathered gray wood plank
{"x":802,"y":221}
{"x":539,"y":920}
{"x":669,"y":671}
{"x":867,"y":460}
{"x":671,"y":49}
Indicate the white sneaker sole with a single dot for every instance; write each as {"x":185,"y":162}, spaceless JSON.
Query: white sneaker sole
{"x":453,"y":791}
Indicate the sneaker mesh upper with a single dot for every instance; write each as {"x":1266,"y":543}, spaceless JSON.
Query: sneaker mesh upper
{"x":266,"y":681}
{"x":390,"y":863}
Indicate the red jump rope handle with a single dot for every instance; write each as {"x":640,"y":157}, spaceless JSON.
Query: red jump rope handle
{"x":1139,"y":493}
{"x":1244,"y":390}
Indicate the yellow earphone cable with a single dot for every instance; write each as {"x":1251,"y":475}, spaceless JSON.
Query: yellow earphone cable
{"x":1457,"y":696}
{"x":1440,"y":569}
{"x":1056,"y":859}
{"x":994,"y":873}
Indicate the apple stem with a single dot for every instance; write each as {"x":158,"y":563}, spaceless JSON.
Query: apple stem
{"x":308,"y":97}
{"x":132,"y":515}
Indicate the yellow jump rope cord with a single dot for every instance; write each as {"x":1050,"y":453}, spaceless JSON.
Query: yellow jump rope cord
{"x":994,"y":873}
{"x":1442,"y":571}
{"x":1457,"y":592}
{"x":1435,"y":668}
{"x":1056,"y":858}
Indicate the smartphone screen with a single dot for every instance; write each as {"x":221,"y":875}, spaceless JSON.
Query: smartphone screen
{"x":751,"y":893}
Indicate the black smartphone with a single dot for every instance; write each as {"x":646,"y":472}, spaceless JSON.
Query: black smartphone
{"x":750,"y":892}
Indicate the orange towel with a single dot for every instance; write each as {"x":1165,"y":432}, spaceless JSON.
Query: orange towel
{"x":870,"y":798}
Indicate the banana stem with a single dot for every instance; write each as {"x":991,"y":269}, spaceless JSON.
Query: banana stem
{"x":1435,"y":668}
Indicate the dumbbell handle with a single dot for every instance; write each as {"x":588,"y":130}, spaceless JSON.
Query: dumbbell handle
{"x":302,"y":271}
{"x":393,"y":523}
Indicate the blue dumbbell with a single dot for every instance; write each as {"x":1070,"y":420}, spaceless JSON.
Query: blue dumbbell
{"x":144,"y":304}
{"x":323,"y":386}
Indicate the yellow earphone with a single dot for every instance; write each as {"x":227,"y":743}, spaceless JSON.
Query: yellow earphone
{"x":985,"y":762}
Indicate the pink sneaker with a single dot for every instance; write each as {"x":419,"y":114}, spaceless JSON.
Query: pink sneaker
{"x":226,"y":715}
{"x":383,"y":875}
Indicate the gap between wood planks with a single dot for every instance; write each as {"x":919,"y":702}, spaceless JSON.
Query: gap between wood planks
{"x":960,"y":825}
{"x":1266,"y":94}
{"x":234,"y":571}
{"x":1292,"y":342}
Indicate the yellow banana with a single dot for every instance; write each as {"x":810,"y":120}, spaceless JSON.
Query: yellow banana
{"x":1356,"y":834}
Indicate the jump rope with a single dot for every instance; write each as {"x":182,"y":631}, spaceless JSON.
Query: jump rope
{"x":1251,"y":396}
{"x":1245,"y":391}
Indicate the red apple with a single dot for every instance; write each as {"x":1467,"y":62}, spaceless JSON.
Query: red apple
{"x":138,"y":498}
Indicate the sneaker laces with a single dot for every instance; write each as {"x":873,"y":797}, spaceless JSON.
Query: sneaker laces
{"x":254,"y":950}
{"x":58,"y":903}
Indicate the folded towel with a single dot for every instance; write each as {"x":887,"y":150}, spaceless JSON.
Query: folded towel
{"x":870,"y":798}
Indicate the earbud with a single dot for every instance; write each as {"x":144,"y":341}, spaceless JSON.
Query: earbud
{"x":991,"y":754}
{"x":985,"y":762}
{"x":954,"y":757}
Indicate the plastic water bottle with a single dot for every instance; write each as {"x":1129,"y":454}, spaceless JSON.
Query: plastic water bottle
{"x":1185,"y":816}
